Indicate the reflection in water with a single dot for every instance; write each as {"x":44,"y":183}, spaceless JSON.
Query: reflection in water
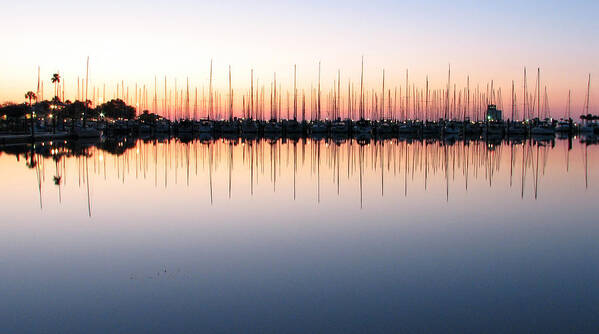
{"x":316,"y":235}
{"x":395,"y":165}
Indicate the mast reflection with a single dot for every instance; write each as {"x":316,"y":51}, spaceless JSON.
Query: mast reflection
{"x":242,"y":163}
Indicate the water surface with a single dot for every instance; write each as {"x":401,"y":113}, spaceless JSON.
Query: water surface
{"x":299,"y":236}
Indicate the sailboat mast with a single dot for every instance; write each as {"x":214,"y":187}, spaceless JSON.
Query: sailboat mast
{"x":467,"y":112}
{"x":426,"y":101}
{"x":447,"y":93}
{"x":37,"y":91}
{"x":525,"y":114}
{"x":513,"y":101}
{"x":251,"y":93}
{"x":338,"y":94}
{"x":210,"y":99}
{"x":493,"y":101}
{"x":382,"y":114}
{"x":349,"y":104}
{"x":303,"y":105}
{"x":539,"y":93}
{"x":588,"y":95}
{"x":86,"y":83}
{"x":295,"y":92}
{"x":186,"y":99}
{"x":569,"y":102}
{"x":362,"y":91}
{"x":453,"y":113}
{"x":406,"y":109}
{"x":230,"y":97}
{"x":546,"y":104}
{"x":318,"y":98}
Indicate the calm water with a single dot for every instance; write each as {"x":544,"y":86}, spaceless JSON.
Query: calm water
{"x":300,"y":236}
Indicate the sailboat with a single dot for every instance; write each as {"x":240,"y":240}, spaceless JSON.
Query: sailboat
{"x":205,"y":125}
{"x":292,"y":126}
{"x":450,"y":127}
{"x":318,"y":126}
{"x":542,"y":127}
{"x":589,"y":126}
{"x":185,"y":125}
{"x":85,"y":131}
{"x":340,"y":127}
{"x":383,"y":126}
{"x":362,"y":128}
{"x":249,"y":125}
{"x":409,"y":127}
{"x":230,"y":126}
{"x":514,"y":127}
{"x":273,"y":127}
{"x":565,"y":126}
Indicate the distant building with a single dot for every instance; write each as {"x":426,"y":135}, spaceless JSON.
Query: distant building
{"x":493,"y":114}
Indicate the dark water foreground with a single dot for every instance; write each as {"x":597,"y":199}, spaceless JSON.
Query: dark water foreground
{"x":300,"y":236}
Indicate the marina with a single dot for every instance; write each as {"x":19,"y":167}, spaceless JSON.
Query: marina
{"x":270,"y":205}
{"x":299,"y":167}
{"x":441,"y":115}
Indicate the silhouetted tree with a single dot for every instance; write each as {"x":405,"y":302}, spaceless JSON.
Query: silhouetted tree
{"x":148,"y":118}
{"x":14,"y":114}
{"x":117,"y":109}
{"x":74,"y":110}
{"x":42,"y":108}
{"x":30,"y":96}
{"x":55,"y":80}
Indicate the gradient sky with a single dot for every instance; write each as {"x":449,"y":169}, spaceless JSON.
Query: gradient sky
{"x":136,"y":40}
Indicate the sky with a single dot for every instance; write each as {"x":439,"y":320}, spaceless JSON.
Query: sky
{"x":134,"y":41}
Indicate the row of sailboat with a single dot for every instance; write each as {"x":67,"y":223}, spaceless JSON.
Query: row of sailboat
{"x":383,"y":120}
{"x":427,"y":112}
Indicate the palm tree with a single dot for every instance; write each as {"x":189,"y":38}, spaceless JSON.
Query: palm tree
{"x":56,"y":107}
{"x":55,"y":80}
{"x":31,"y":95}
